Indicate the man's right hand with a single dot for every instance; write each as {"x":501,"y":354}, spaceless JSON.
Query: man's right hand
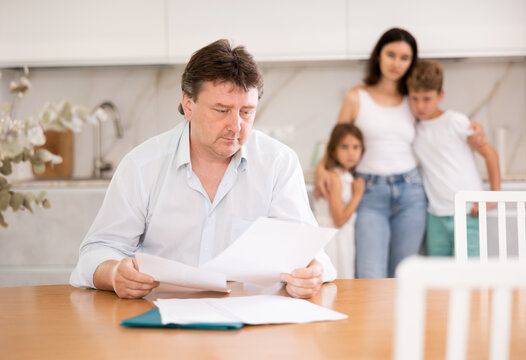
{"x":124,"y":278}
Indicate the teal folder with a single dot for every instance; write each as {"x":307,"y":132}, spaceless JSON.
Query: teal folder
{"x":152,"y":319}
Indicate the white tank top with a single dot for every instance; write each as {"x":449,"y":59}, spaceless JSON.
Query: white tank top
{"x":388,"y":133}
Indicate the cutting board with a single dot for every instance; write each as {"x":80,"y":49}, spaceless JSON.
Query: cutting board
{"x":59,"y":143}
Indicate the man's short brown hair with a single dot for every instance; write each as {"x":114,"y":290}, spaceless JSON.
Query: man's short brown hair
{"x":219,"y":62}
{"x":427,"y":75}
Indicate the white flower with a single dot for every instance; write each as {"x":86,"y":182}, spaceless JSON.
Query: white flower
{"x":35,"y":135}
{"x":20,"y":86}
{"x":46,"y":156}
{"x":11,"y":147}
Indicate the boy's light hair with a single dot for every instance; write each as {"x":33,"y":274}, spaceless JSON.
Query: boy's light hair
{"x":427,"y":75}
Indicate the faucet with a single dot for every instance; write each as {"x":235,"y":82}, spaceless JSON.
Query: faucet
{"x":99,"y":164}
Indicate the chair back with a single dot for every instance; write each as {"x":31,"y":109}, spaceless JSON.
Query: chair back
{"x":416,"y":275}
{"x":483,"y":197}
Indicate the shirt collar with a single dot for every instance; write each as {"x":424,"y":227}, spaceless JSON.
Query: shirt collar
{"x":183,"y":151}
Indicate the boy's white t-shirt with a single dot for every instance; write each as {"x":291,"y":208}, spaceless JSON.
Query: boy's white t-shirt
{"x":447,"y":162}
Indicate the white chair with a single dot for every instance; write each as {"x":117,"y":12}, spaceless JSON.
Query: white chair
{"x":416,"y":275}
{"x":482,"y":197}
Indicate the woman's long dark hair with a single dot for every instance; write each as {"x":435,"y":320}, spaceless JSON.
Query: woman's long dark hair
{"x":374,"y":74}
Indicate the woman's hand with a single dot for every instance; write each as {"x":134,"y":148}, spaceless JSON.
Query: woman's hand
{"x":478,"y":139}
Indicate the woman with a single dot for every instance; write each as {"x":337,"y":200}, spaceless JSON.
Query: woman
{"x":391,"y":217}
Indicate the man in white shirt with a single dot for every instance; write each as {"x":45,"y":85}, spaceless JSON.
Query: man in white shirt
{"x":188,"y":194}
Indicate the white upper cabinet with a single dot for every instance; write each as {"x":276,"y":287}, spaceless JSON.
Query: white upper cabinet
{"x":124,"y":32}
{"x":447,"y":28}
{"x":273,"y":30}
{"x":94,"y":32}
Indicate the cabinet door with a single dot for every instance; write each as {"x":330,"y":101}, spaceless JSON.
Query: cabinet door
{"x":447,"y":28}
{"x":271,"y":30}
{"x":65,"y":32}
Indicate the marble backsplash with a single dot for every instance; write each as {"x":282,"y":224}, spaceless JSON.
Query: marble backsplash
{"x":299,"y":107}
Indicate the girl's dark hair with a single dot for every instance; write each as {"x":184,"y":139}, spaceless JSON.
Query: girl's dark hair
{"x":374,"y":74}
{"x":338,"y":133}
{"x":219,"y":62}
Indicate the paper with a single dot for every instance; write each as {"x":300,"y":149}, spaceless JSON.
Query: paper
{"x":173,"y":272}
{"x":270,"y":247}
{"x":266,"y":249}
{"x":253,"y":310}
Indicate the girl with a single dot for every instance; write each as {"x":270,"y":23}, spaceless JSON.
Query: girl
{"x":344,"y":151}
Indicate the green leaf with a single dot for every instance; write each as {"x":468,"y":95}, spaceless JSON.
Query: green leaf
{"x":27,"y":203}
{"x":5,"y":196}
{"x":6,"y":168}
{"x":39,"y":167}
{"x":2,"y":221}
{"x":46,"y":204}
{"x":17,"y":199}
{"x":41,"y":197}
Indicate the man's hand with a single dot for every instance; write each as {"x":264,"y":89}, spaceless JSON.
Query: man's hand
{"x":128,"y":282}
{"x":304,"y":283}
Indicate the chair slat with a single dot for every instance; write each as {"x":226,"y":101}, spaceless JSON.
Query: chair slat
{"x":483,"y":233}
{"x":500,"y":324}
{"x":521,"y":230}
{"x":503,"y":252}
{"x":457,"y":325}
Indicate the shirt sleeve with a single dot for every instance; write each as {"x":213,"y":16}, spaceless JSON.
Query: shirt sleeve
{"x":118,"y":226}
{"x":460,"y":124}
{"x":290,"y":202}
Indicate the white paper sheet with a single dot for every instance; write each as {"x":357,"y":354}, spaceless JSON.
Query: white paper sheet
{"x":173,"y":272}
{"x":269,"y":247}
{"x":253,"y":310}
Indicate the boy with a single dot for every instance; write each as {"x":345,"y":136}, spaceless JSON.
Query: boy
{"x":446,"y":160}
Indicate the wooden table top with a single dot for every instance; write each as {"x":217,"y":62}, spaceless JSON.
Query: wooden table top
{"x":61,"y":322}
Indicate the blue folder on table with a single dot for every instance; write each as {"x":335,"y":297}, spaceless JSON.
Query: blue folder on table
{"x":152,"y":319}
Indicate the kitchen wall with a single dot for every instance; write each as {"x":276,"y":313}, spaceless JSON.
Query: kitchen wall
{"x":299,"y":107}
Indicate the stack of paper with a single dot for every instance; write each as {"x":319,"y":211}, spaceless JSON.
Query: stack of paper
{"x":253,"y":310}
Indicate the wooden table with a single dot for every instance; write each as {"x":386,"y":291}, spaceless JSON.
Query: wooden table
{"x":61,"y":322}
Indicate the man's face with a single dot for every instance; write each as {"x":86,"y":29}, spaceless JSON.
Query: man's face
{"x":424,"y":104}
{"x":220,"y":119}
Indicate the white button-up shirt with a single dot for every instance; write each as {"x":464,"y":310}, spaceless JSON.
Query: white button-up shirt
{"x":156,"y":204}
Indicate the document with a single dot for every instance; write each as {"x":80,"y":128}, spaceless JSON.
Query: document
{"x":252,"y":310}
{"x":270,"y":247}
{"x":176,"y":273}
{"x":266,"y":249}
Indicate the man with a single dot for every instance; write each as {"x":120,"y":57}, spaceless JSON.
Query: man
{"x":189,"y":193}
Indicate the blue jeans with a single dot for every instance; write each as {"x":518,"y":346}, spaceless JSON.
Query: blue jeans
{"x":390,"y":222}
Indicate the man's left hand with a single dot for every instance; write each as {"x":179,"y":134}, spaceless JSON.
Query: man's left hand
{"x":304,"y":283}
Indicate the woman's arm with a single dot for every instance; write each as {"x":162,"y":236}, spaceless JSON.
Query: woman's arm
{"x":348,"y":113}
{"x":350,"y":106}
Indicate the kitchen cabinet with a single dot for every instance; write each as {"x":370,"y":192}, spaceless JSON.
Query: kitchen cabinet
{"x":272,"y":30}
{"x":95,"y":32}
{"x":449,"y":28}
{"x":134,"y":32}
